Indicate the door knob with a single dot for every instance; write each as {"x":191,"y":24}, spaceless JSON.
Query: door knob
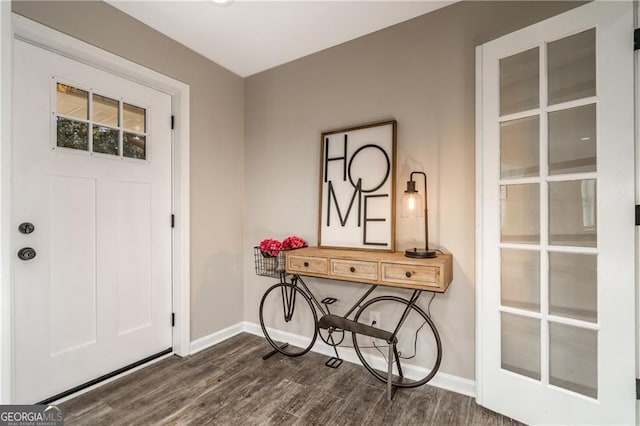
{"x":26,"y":253}
{"x":26,"y":228}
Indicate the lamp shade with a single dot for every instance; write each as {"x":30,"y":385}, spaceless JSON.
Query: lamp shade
{"x":412,"y":205}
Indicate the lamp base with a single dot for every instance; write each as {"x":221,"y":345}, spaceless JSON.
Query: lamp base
{"x":420,"y":253}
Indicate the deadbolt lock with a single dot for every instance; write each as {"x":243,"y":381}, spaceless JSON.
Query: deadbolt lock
{"x":26,"y":228}
{"x":26,"y":253}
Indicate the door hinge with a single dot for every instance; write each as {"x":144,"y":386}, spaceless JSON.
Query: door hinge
{"x":637,"y":215}
{"x":636,"y":39}
{"x":173,"y":319}
{"x":637,"y":388}
{"x":173,"y":219}
{"x":173,"y":122}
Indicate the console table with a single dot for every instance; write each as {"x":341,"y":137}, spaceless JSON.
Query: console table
{"x":372,"y":267}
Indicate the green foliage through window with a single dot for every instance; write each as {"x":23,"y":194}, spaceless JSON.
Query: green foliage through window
{"x":105,"y":140}
{"x":72,"y":134}
{"x":134,"y":146}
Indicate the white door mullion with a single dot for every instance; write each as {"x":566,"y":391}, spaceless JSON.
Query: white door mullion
{"x":544,"y":219}
{"x":120,"y":129}
{"x":90,"y":122}
{"x":519,"y":115}
{"x":516,"y":181}
{"x":571,"y":104}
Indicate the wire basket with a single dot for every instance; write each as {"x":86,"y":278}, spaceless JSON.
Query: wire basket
{"x":269,"y":266}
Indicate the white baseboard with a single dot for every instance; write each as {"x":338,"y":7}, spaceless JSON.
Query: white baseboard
{"x":217,"y":337}
{"x":440,"y":380}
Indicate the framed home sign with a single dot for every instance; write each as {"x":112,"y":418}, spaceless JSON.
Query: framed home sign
{"x":357,"y":183}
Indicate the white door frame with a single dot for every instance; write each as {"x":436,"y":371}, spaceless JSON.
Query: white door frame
{"x":31,"y":32}
{"x":636,"y":82}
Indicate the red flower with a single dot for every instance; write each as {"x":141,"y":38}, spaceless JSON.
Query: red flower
{"x":293,"y":242}
{"x":270,"y":247}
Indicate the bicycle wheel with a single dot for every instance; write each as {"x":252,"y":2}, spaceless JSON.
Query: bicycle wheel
{"x":287,"y":316}
{"x":419,"y":350}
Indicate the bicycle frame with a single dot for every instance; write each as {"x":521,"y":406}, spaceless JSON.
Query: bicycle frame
{"x":297,"y":278}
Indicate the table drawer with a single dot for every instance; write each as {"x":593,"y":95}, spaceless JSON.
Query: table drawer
{"x":307,"y":265}
{"x":411,"y":274}
{"x":354,"y":269}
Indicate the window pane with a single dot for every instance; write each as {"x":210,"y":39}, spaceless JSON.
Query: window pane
{"x":134,"y":118}
{"x":105,"y":110}
{"x":519,"y":152}
{"x":572,"y":140}
{"x":572,"y":213}
{"x":105,"y":140}
{"x":520,"y":279}
{"x":572,"y":67}
{"x":72,"y":134}
{"x":72,"y":102}
{"x":573,"y":286}
{"x":134,"y":146}
{"x":519,"y":82}
{"x":520,"y":213}
{"x":520,"y":340}
{"x":573,"y":359}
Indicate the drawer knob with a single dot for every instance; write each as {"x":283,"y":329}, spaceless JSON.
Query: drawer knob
{"x":408,"y":274}
{"x":306,"y":264}
{"x":352,"y":269}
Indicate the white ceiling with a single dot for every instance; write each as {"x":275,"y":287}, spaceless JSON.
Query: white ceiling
{"x":247,"y":37}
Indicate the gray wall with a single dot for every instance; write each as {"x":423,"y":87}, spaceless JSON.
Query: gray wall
{"x":255,"y":143}
{"x":217,"y":139}
{"x":422,"y":73}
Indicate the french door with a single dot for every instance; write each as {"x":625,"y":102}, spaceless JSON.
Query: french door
{"x":556,"y":238}
{"x":91,"y":206}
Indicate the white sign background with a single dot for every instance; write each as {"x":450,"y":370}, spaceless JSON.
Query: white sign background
{"x":358,"y":219}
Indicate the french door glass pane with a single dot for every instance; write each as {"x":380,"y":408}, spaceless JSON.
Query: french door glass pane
{"x":520,"y":277}
{"x":519,"y":147}
{"x":572,"y":67}
{"x":573,"y":358}
{"x":520,"y":215}
{"x":520,"y":352}
{"x":105,"y":110}
{"x":519,"y":82}
{"x":573,"y":286}
{"x":572,"y":213}
{"x":572,"y":140}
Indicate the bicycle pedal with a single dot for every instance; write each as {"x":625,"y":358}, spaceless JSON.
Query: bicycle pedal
{"x":329,"y":300}
{"x":333,"y":362}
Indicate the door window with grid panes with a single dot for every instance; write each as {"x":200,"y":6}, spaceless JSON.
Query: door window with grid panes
{"x":94,"y":123}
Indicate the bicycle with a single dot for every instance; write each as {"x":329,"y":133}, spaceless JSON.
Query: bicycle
{"x":291,"y":324}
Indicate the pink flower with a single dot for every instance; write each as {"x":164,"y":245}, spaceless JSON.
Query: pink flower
{"x":270,"y":247}
{"x":293,"y":242}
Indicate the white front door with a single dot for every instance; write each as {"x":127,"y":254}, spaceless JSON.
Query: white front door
{"x":556,"y":251}
{"x":92,"y":174}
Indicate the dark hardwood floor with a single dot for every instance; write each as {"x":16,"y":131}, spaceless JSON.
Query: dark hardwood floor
{"x":230,"y":384}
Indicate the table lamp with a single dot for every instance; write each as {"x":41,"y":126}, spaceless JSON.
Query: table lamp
{"x":412,"y":208}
